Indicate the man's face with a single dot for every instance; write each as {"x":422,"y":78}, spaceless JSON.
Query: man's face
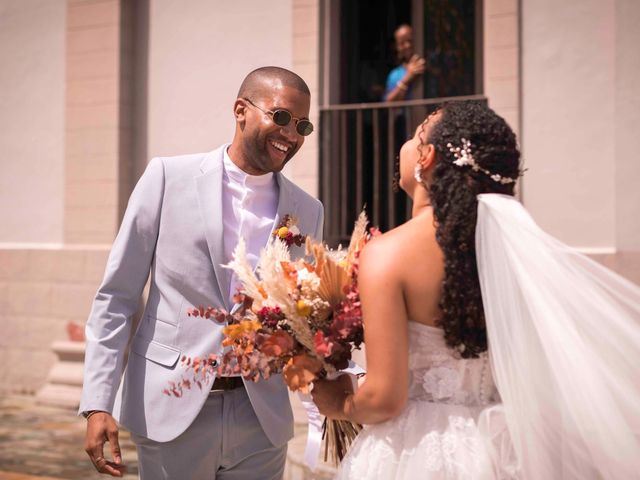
{"x":404,"y":42}
{"x":267,"y":147}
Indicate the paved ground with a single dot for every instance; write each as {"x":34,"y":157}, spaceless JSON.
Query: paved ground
{"x":46,"y":443}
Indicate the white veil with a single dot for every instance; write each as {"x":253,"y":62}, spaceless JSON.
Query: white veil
{"x":564,"y":344}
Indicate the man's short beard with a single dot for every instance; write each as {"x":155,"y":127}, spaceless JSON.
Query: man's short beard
{"x":256,"y":153}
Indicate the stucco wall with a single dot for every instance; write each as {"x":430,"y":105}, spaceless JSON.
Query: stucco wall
{"x":570,"y":123}
{"x":501,"y":50}
{"x":32,"y":59}
{"x":198,"y":56}
{"x":627,"y":125}
{"x":41,"y":291}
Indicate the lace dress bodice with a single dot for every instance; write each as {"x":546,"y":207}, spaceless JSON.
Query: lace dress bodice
{"x":439,"y":374}
{"x":436,"y":436}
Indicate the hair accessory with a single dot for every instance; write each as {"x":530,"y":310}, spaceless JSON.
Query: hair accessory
{"x":464,"y":158}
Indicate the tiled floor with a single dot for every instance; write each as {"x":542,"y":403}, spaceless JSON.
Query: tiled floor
{"x":45,"y":443}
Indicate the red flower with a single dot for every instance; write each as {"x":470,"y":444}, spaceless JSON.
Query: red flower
{"x":324,"y":345}
{"x":270,"y":316}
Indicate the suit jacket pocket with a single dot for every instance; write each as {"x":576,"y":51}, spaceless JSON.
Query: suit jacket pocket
{"x":155,"y":351}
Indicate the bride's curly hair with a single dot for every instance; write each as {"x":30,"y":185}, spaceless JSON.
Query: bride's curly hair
{"x":453,"y":191}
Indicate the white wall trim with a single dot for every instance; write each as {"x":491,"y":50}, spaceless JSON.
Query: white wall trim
{"x":53,"y":246}
{"x":597,"y":250}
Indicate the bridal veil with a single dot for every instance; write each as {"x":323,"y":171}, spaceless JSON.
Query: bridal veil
{"x":564,"y":345}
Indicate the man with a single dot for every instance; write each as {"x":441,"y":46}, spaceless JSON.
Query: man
{"x":184,"y":219}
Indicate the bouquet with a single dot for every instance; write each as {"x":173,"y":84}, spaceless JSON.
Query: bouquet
{"x":300,"y":318}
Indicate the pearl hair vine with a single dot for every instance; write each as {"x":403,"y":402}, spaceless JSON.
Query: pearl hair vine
{"x":464,"y":158}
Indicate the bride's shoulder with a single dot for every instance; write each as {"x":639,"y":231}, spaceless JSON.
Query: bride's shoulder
{"x":412,"y":232}
{"x":403,"y":241}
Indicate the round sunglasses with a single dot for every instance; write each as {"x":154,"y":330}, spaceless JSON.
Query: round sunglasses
{"x":282,"y":118}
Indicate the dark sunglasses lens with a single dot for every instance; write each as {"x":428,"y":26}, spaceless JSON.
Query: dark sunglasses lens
{"x":304,"y":127}
{"x":281,"y":117}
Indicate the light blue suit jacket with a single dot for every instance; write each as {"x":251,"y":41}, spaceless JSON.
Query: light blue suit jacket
{"x":173,"y":228}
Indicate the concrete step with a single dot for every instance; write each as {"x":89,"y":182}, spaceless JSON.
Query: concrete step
{"x":66,"y":373}
{"x":63,"y":387}
{"x":69,"y":351}
{"x":67,"y":396}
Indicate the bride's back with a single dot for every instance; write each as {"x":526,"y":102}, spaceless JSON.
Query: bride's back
{"x":419,"y":266}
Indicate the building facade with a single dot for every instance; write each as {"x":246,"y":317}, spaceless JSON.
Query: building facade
{"x":92,"y":89}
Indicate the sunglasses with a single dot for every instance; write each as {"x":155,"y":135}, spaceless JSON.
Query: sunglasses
{"x":282,"y":118}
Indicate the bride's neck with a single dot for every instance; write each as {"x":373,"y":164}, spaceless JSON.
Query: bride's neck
{"x":421,"y":201}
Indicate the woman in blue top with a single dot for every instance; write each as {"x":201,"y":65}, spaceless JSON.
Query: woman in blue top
{"x":400,"y":79}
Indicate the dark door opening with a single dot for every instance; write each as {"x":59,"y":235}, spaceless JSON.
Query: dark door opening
{"x":360,"y":135}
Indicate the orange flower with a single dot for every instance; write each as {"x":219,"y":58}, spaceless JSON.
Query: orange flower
{"x":237,"y":330}
{"x":300,"y":371}
{"x":277,"y":344}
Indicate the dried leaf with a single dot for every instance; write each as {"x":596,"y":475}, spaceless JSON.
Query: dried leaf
{"x":300,"y":371}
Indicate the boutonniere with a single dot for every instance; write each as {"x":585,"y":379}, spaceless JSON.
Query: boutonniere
{"x":288,"y":232}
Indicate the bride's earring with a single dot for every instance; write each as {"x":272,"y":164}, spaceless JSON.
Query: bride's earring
{"x":417,"y":173}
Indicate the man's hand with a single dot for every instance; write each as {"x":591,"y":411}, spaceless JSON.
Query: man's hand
{"x":101,"y":428}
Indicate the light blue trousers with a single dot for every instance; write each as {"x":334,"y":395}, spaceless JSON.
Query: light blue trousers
{"x":224,"y":442}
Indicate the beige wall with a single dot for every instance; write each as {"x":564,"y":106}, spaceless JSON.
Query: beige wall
{"x":570,"y":122}
{"x":304,"y":169}
{"x":97,"y":120}
{"x":501,"y":51}
{"x":198,"y":56}
{"x":41,"y":291}
{"x":627,"y":125}
{"x":32,"y":62}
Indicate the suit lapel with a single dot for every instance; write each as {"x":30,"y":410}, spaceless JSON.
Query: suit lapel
{"x":209,"y":187}
{"x":287,"y":203}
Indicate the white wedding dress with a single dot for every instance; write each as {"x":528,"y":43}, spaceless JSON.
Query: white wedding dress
{"x":437,"y":435}
{"x":564,"y":355}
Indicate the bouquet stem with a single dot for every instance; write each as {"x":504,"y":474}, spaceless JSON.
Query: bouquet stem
{"x":338,"y":435}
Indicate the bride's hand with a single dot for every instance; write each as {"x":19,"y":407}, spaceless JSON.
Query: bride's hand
{"x":330,"y":396}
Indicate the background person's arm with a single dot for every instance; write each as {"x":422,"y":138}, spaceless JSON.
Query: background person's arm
{"x":415,"y":68}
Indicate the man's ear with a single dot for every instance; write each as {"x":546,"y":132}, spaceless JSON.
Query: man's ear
{"x":240,"y":110}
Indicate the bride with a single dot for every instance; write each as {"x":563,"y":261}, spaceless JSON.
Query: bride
{"x":493,"y":350}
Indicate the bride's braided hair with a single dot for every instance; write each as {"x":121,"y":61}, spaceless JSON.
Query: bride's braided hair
{"x":453,"y":192}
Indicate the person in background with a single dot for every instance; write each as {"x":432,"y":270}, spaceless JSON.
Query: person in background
{"x":401,"y":79}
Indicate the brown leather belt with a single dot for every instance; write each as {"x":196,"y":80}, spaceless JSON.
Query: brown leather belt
{"x":227,"y":383}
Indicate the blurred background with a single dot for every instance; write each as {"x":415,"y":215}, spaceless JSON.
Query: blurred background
{"x":90,"y":90}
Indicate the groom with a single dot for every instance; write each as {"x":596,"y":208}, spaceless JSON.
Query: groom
{"x":183,"y":220}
